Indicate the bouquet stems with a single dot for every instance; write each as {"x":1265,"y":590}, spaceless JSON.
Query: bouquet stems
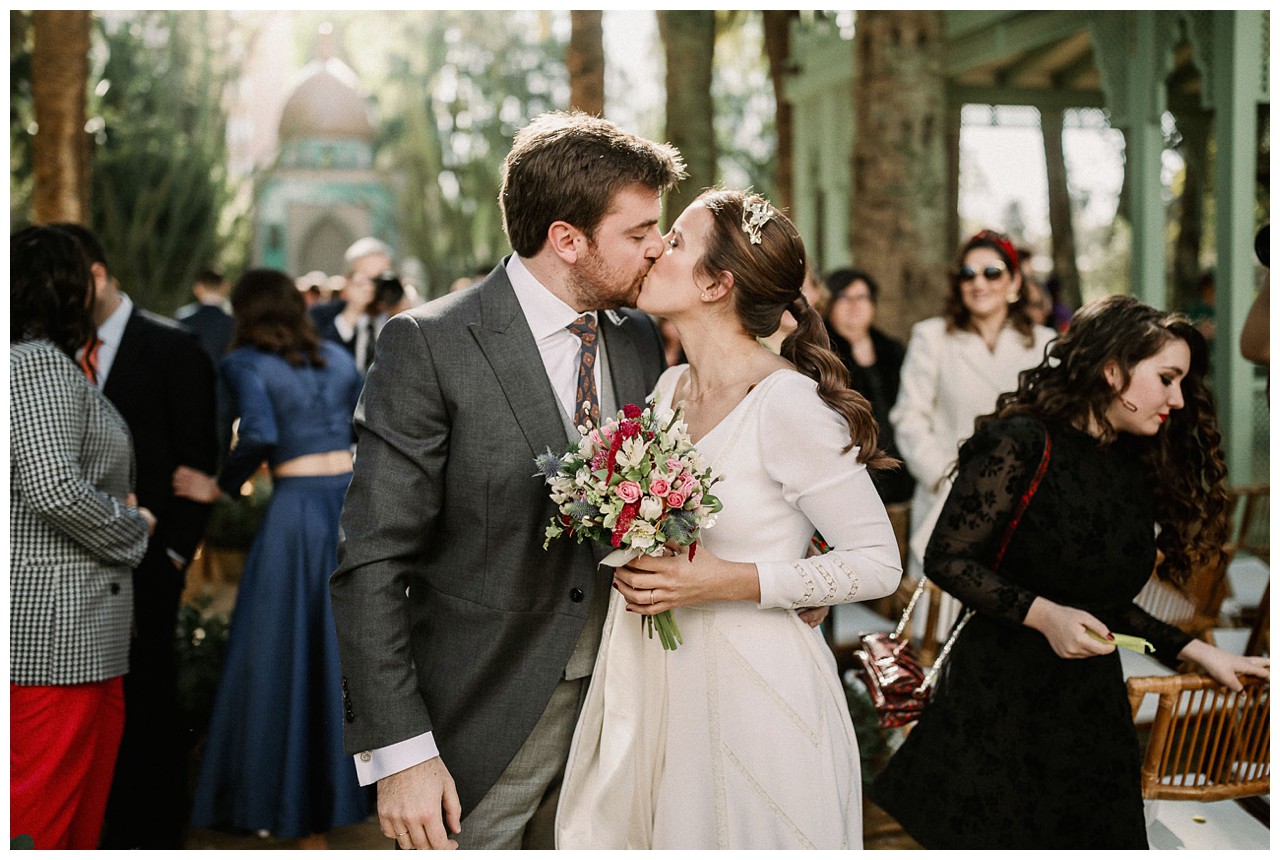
{"x":668,"y":630}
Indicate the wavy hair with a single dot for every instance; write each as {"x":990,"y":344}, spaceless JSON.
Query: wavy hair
{"x":1184,"y":459}
{"x":767,"y":280}
{"x":954,"y":310}
{"x":50,"y":289}
{"x":271,"y":315}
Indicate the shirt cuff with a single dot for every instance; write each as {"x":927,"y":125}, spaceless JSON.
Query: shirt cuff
{"x":373,"y":765}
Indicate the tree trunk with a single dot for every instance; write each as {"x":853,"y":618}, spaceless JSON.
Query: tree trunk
{"x":59,"y":84}
{"x":689,"y":41}
{"x":777,"y":45}
{"x":1064,"y":236}
{"x":898,"y":215}
{"x":585,"y":59}
{"x":1194,"y":127}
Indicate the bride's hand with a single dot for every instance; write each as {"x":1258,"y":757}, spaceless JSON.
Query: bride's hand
{"x":651,"y":585}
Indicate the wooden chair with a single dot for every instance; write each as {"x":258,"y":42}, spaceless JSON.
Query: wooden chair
{"x":1207,"y":742}
{"x":1253,"y":538}
{"x":1206,"y":763}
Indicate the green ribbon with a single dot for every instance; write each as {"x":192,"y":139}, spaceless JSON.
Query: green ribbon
{"x":1124,"y":640}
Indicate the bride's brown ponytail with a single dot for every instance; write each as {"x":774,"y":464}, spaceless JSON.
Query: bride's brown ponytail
{"x":764,"y":252}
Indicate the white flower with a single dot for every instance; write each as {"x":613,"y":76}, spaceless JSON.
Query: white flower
{"x":650,"y":508}
{"x":641,"y":535}
{"x":631,"y":453}
{"x":583,"y":477}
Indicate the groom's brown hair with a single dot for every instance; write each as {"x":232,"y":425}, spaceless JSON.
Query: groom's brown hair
{"x":567,"y":166}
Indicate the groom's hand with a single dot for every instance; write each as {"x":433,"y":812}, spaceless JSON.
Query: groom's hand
{"x":415,"y":805}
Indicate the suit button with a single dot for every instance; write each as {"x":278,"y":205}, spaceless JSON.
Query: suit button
{"x":115,"y":588}
{"x":576,"y":595}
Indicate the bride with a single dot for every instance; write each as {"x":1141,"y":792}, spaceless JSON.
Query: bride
{"x":741,"y":738}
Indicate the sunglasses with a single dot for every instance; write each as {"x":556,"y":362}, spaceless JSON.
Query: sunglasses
{"x":990,"y":273}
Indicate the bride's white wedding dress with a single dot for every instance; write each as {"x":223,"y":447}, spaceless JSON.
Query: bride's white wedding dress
{"x":741,"y":738}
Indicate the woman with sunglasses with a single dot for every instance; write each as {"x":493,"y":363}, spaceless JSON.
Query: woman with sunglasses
{"x":957,"y":365}
{"x":1028,"y":741}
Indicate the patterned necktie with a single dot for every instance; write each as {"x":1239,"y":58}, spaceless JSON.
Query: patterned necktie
{"x":89,"y":360}
{"x":586,"y":404}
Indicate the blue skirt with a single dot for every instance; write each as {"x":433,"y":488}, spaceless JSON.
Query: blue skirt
{"x":273,"y":759}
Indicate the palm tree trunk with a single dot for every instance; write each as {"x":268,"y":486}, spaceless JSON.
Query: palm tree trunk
{"x":777,"y":45}
{"x":59,"y":84}
{"x":689,"y":40}
{"x":898,"y":216}
{"x":585,"y":59}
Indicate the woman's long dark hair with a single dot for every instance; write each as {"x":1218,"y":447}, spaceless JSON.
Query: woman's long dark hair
{"x":271,"y":315}
{"x":955,"y":312}
{"x":767,"y":278}
{"x":1184,"y":459}
{"x":50,"y":289}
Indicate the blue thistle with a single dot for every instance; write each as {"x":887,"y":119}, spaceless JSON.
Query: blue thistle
{"x":548,"y":465}
{"x":679,"y":526}
{"x":580,"y":509}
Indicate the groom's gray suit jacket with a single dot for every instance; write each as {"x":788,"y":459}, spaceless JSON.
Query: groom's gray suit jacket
{"x":444,"y":504}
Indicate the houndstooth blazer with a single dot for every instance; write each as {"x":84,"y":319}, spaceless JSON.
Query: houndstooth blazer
{"x":73,"y":542}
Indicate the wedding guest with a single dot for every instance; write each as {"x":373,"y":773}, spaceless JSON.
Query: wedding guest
{"x":955,"y":367}
{"x":273,"y":760}
{"x":742,"y":737}
{"x":76,"y":533}
{"x":1028,"y":741}
{"x":874,"y":361}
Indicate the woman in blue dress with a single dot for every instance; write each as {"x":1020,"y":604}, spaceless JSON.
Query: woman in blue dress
{"x":273,"y":760}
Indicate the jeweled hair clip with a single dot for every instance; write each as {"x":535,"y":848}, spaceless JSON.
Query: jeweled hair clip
{"x":755,"y":214}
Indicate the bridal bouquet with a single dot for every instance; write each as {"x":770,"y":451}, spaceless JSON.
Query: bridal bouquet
{"x":636,"y":483}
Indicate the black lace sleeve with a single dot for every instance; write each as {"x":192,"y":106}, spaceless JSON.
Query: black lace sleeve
{"x":995,"y":469}
{"x":1167,"y":639}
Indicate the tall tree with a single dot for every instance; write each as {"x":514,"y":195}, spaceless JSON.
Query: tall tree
{"x":1064,"y":234}
{"x":585,"y":60}
{"x":777,"y":45}
{"x":689,"y":42}
{"x":160,"y":189}
{"x":899,"y":166}
{"x":59,"y":85}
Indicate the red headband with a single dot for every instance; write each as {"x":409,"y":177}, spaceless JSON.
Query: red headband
{"x":1002,"y":242}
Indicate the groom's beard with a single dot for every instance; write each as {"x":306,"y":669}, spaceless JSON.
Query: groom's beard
{"x":602,"y":286}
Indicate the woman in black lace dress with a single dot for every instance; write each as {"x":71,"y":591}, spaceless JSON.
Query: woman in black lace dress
{"x":1028,"y":741}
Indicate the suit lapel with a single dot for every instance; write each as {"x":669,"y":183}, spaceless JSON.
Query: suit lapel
{"x":127,"y":358}
{"x":504,"y":337}
{"x":624,"y":358}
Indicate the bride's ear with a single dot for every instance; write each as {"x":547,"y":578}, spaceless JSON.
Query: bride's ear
{"x":718,"y":290}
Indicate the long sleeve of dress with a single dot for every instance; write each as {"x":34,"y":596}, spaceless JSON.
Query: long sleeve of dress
{"x":913,"y":414}
{"x":47,"y":427}
{"x":257,"y":434}
{"x":801,"y":442}
{"x":995,"y":469}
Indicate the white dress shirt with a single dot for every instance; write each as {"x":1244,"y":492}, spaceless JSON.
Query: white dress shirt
{"x":547,"y":317}
{"x":111,"y":333}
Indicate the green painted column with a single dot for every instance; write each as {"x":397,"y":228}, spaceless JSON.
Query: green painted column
{"x":1237,"y":51}
{"x":1144,"y":146}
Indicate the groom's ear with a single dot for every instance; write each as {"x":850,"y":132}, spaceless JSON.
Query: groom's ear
{"x":566,"y":240}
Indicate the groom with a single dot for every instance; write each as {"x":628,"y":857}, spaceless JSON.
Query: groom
{"x":466,"y":648}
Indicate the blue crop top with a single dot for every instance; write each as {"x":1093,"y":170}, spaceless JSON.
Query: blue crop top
{"x":286,"y":411}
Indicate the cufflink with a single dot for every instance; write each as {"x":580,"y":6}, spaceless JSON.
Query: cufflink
{"x":366,"y":756}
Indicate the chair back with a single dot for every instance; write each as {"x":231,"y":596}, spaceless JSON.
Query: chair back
{"x":1253,"y":535}
{"x":1207,"y":743}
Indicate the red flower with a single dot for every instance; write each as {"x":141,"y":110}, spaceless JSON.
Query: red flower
{"x":631,"y":410}
{"x":625,"y":518}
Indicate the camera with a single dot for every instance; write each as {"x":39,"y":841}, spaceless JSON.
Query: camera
{"x":387,"y":290}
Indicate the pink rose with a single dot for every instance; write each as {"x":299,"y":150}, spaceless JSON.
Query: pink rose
{"x":675,"y":500}
{"x":630,"y":491}
{"x":687,"y":483}
{"x":674,"y":466}
{"x":596,"y":439}
{"x":660,"y":487}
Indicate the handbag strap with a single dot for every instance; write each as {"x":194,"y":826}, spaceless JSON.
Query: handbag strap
{"x":1004,"y":545}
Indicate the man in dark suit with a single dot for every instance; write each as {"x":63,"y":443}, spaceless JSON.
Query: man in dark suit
{"x":467,"y":648}
{"x":156,"y":374}
{"x":354,"y":319}
{"x":209,"y":315}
